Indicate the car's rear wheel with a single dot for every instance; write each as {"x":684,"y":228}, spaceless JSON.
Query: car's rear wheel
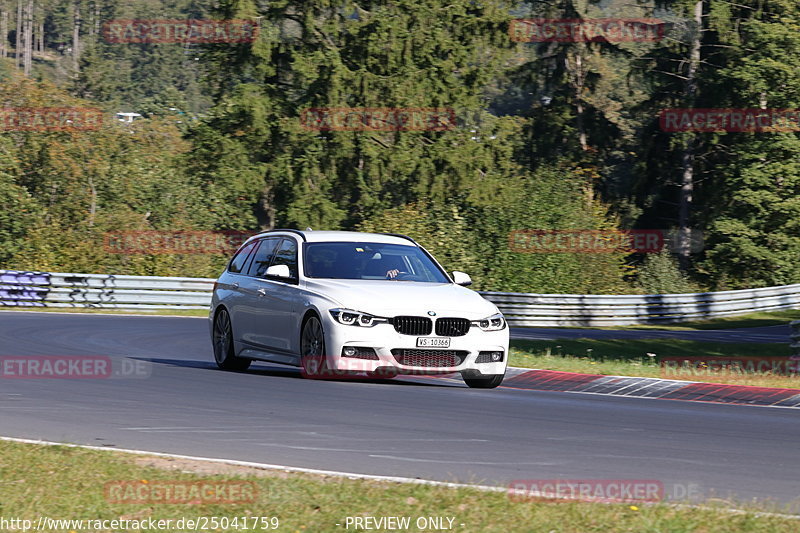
{"x":312,"y":349}
{"x":223,"y":344}
{"x":482,"y":382}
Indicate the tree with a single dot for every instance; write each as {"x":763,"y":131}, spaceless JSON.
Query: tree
{"x":3,"y":30}
{"x":754,"y":236}
{"x":416,"y":53}
{"x":64,"y":190}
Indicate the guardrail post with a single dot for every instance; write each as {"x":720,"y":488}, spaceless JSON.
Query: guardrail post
{"x":795,"y":338}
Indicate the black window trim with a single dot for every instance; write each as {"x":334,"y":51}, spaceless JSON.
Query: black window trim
{"x":252,"y":253}
{"x":292,"y":281}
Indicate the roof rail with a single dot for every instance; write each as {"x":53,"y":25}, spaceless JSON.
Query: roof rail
{"x":297,"y":231}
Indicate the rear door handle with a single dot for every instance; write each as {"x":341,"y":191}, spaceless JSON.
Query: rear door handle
{"x":262,"y":292}
{"x":235,"y":285}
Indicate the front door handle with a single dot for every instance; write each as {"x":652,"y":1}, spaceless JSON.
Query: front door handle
{"x":262,"y":292}
{"x":235,"y":285}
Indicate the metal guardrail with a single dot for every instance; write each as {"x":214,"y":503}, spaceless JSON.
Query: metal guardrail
{"x":53,"y":289}
{"x":56,"y":289}
{"x":522,"y":309}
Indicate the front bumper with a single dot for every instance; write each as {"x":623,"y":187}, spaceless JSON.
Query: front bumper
{"x":383,"y":339}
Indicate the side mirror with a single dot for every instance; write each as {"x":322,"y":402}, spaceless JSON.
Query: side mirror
{"x":460,"y":278}
{"x":278,"y":271}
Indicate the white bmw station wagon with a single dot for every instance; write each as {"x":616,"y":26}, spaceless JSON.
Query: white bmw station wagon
{"x":339,"y":303}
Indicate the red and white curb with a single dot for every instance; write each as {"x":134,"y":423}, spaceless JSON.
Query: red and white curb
{"x":638,"y":387}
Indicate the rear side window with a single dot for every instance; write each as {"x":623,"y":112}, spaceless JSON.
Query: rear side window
{"x":239,"y":259}
{"x":262,"y":257}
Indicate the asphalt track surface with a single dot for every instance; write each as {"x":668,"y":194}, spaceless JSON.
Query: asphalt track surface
{"x":420,"y":428}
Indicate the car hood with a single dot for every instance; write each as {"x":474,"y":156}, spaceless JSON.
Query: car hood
{"x":392,"y":298}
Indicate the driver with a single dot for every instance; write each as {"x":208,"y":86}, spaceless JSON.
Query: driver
{"x":391,"y":274}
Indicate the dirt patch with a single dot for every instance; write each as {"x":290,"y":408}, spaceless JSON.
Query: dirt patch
{"x":212,"y":468}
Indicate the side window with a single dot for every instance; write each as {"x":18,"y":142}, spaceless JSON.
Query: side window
{"x":287,"y":255}
{"x":262,"y":257}
{"x":239,"y":259}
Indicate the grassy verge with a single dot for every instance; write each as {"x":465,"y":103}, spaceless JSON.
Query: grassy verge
{"x":630,"y":358}
{"x":751,"y":320}
{"x":90,"y":310}
{"x":68,"y":483}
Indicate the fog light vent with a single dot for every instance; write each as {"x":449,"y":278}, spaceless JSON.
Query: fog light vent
{"x":359,"y":352}
{"x":490,"y":357}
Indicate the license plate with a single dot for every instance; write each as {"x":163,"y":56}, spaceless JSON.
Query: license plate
{"x":433,"y":342}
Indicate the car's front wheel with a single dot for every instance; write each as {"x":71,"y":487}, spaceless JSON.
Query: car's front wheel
{"x":312,"y":349}
{"x":481,"y":381}
{"x":223,"y":344}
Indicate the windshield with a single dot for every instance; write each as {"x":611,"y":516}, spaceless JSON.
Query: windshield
{"x":369,"y":260}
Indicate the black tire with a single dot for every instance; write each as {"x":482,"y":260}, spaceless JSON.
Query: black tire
{"x":312,"y":349}
{"x":483,"y":382}
{"x":223,"y":344}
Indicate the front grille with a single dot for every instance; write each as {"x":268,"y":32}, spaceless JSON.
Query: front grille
{"x":452,"y":327}
{"x":412,"y":325}
{"x":429,"y":358}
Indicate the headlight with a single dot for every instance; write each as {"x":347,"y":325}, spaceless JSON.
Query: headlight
{"x":348,"y":317}
{"x":495,"y":322}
